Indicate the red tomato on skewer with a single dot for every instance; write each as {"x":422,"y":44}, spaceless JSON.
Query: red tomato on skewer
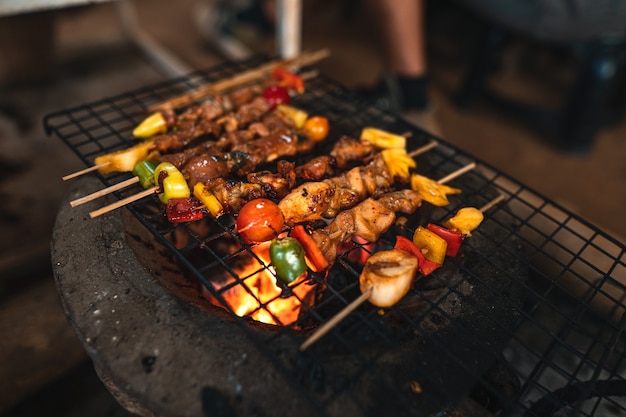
{"x":259,"y":220}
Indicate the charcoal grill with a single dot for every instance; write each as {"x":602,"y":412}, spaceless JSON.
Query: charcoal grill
{"x":527,"y":321}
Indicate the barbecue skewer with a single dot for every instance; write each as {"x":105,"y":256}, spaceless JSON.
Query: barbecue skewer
{"x":154,"y":190}
{"x":241,"y":79}
{"x":304,"y":76}
{"x":366,"y":295}
{"x":116,"y":187}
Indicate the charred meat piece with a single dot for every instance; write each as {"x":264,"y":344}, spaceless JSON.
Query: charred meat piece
{"x":317,"y":168}
{"x":279,"y":143}
{"x":324,"y":199}
{"x":277,"y":184}
{"x":233,"y":195}
{"x":348,"y":150}
{"x":203,"y":169}
{"x":180,"y":159}
{"x":180,"y":139}
{"x":368,"y":220}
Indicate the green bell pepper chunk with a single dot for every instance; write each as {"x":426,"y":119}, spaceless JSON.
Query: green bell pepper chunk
{"x":144,"y":170}
{"x":287,"y":257}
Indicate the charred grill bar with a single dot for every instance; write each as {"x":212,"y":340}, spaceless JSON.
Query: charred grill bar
{"x":526,"y":321}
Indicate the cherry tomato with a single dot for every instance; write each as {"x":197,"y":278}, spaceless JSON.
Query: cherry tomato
{"x":316,"y":128}
{"x":259,"y":220}
{"x":276,"y":95}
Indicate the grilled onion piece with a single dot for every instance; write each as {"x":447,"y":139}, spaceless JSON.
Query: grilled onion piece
{"x":389,"y":275}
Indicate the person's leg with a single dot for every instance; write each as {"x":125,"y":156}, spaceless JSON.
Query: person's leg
{"x":401,"y":24}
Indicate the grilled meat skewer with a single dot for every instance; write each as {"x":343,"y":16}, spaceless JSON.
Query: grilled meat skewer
{"x":368,"y":220}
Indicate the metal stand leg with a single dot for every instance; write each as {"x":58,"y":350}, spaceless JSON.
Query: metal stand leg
{"x":159,"y":56}
{"x":289,"y":25}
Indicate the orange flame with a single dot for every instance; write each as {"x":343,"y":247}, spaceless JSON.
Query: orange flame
{"x":259,"y":297}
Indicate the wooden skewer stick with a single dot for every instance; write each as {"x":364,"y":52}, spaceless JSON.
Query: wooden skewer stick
{"x":242,"y":79}
{"x":84,"y":171}
{"x":123,"y":202}
{"x":131,"y":181}
{"x":326,"y":327}
{"x":424,"y":149}
{"x":104,"y":191}
{"x":457,"y":173}
{"x":492,"y":203}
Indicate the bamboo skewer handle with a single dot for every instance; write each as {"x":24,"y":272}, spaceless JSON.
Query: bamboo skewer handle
{"x":123,"y":202}
{"x":423,"y":149}
{"x":104,"y":191}
{"x":457,"y":173}
{"x":492,"y":203}
{"x":84,"y":171}
{"x":325,"y":328}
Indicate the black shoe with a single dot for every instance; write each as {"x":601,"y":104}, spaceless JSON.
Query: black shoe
{"x":385,"y":95}
{"x":397,"y":94}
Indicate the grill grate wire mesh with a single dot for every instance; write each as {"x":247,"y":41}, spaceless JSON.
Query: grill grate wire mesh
{"x":545,"y":330}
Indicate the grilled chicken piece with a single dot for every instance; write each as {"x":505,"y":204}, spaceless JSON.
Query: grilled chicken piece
{"x":281,"y":142}
{"x":402,"y":201}
{"x":388,"y":275}
{"x":244,"y":95}
{"x":317,"y":168}
{"x":368,"y":220}
{"x":185,"y":136}
{"x":233,"y":195}
{"x":349,"y":149}
{"x":278,"y":185}
{"x":324,"y":199}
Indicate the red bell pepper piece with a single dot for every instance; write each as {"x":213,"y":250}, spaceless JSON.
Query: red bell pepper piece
{"x":311,"y":250}
{"x":454,"y":238}
{"x":425,"y":266}
{"x":276,"y":95}
{"x":288,"y":79}
{"x":180,"y":210}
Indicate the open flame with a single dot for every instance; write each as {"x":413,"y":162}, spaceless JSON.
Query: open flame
{"x":259,"y":297}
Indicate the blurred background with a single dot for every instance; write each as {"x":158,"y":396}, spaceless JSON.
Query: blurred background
{"x":486,"y":76}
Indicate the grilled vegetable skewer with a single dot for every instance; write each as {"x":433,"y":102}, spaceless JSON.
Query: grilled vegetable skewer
{"x":383,"y":282}
{"x":223,"y":113}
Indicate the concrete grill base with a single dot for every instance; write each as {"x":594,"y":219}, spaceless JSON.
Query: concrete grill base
{"x":156,"y":354}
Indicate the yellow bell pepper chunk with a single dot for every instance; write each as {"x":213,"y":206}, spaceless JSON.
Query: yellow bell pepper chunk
{"x":208,"y":199}
{"x":465,"y":220}
{"x":125,"y":160}
{"x":298,"y":116}
{"x":173,"y":184}
{"x":431,"y":191}
{"x":383,"y":139}
{"x":150,"y":126}
{"x":398,"y":162}
{"x":430,"y":244}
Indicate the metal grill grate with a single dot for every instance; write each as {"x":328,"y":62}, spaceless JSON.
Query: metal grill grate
{"x":515,"y":326}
